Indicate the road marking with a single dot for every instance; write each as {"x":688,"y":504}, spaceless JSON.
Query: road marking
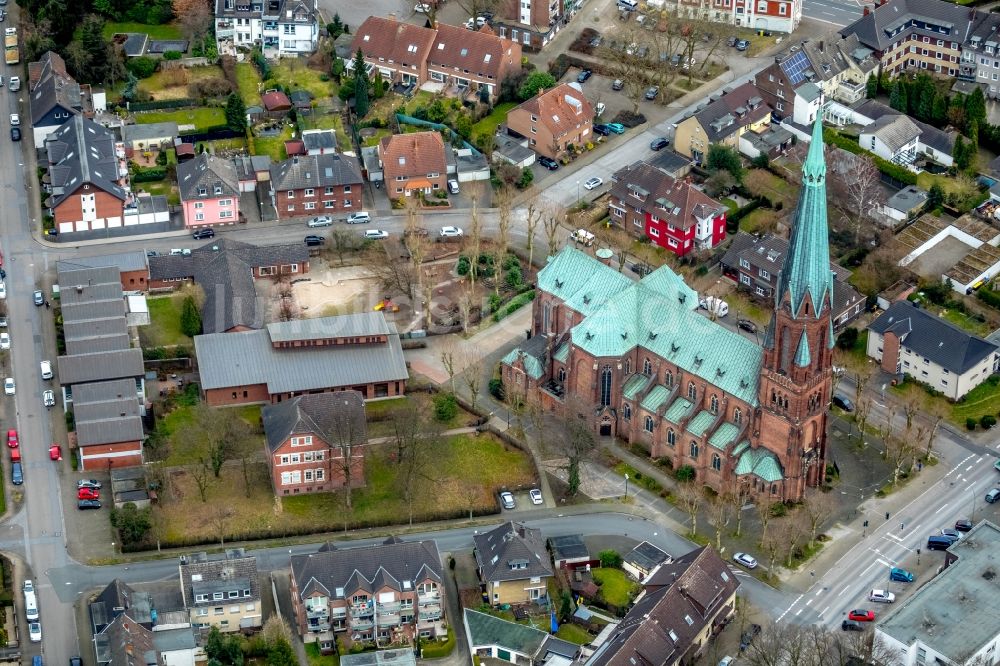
{"x":823,"y":612}
{"x":797,"y":612}
{"x":940,"y":509}
{"x":819,"y":591}
{"x":970,"y":467}
{"x":883,"y":563}
{"x":808,"y":601}
{"x":979,"y":459}
{"x":841,"y":593}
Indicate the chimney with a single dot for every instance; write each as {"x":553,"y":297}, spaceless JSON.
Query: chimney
{"x":867,"y":11}
{"x":821,"y":46}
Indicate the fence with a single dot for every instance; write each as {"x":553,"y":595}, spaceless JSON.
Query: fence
{"x":162,"y":104}
{"x":211,"y":134}
{"x":184,"y":62}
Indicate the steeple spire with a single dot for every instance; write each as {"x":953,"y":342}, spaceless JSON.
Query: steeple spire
{"x":807,"y":269}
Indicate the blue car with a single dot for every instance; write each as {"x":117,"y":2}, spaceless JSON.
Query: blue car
{"x":617,"y":128}
{"x":900,"y":575}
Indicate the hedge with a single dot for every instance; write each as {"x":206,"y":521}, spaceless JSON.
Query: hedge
{"x":149,"y":175}
{"x":163,"y":104}
{"x":514,"y":304}
{"x":438,"y":649}
{"x":894,"y":171}
{"x":988,"y":296}
{"x":735,"y":218}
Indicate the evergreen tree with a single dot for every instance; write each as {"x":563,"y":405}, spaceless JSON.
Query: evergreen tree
{"x":975,"y":106}
{"x":361,"y":85}
{"x":960,"y":153}
{"x":939,"y":110}
{"x":924,"y":99}
{"x":336,"y":27}
{"x":131,"y":88}
{"x":935,"y":197}
{"x":973,"y":133}
{"x":92,"y":42}
{"x":190,"y":318}
{"x":724,"y":158}
{"x":236,"y":113}
{"x":871,"y":87}
{"x":897,"y":99}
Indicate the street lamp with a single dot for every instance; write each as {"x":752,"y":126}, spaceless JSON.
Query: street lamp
{"x":577,"y":193}
{"x":626,"y":487}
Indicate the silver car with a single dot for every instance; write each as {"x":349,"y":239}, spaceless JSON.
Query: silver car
{"x":507,"y":500}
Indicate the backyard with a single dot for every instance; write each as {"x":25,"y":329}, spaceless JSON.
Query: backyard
{"x":248,"y":81}
{"x":162,"y":187}
{"x":982,"y":400}
{"x":201,"y":118}
{"x":617,"y":589}
{"x":488,"y":125}
{"x":274,"y":145}
{"x":328,"y":121}
{"x":165,"y":316}
{"x":294,"y":75}
{"x":174,"y":83}
{"x":168,"y":31}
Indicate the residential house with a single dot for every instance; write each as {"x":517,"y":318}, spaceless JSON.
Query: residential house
{"x":531,"y":23}
{"x":100,"y":369}
{"x":672,"y":213}
{"x":499,"y":639}
{"x":320,"y":184}
{"x":915,"y":34}
{"x":210,"y":191}
{"x":948,"y":619}
{"x":132,"y":267}
{"x":253,"y":172}
{"x":980,"y":60}
{"x":908,"y":340}
{"x":388,"y":593}
{"x":88,"y":181}
{"x":360,"y":352}
{"x":723,"y":121}
{"x":901,"y":140}
{"x":513,"y":564}
{"x":905,"y":204}
{"x":465,"y":61}
{"x":151,"y":137}
{"x":413,"y":163}
{"x":755,"y":262}
{"x":223,"y":593}
{"x":760,"y":15}
{"x":276,"y":104}
{"x":682,"y":606}
{"x":553,"y":120}
{"x":569,"y":552}
{"x":643,"y":560}
{"x":226,"y":270}
{"x":279,"y":27}
{"x":55,"y":96}
{"x":319,"y":141}
{"x":315,"y":443}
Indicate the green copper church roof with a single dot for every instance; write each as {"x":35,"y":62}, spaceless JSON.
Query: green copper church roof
{"x":724,"y":435}
{"x":584,"y":283}
{"x":678,"y":410}
{"x":562,"y":353}
{"x":760,"y":462}
{"x":635,"y":384}
{"x":655,"y":398}
{"x":699,"y":424}
{"x":532,"y":367}
{"x":807,"y":268}
{"x":802,"y":356}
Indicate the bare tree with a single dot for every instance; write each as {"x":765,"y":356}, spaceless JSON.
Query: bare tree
{"x":719,"y":511}
{"x":195,"y":17}
{"x":448,"y":361}
{"x":465,"y":308}
{"x":856,"y":185}
{"x":391,"y":271}
{"x":739,"y":498}
{"x":817,"y":509}
{"x":772,"y":542}
{"x":791,"y":532}
{"x":532,"y":217}
{"x":475,"y":238}
{"x":348,"y":436}
{"x":567,"y":436}
{"x":551,"y":218}
{"x":788,"y":643}
{"x":625,"y":64}
{"x":897,"y":449}
{"x":504,"y":200}
{"x":934,"y":413}
{"x":690,"y":499}
{"x":415,"y":433}
{"x":200,"y":474}
{"x":764,"y":505}
{"x":343,"y":242}
{"x":472,"y":360}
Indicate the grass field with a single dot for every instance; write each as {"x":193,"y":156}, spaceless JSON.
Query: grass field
{"x":295,"y":75}
{"x":329,"y":121}
{"x":574,"y":634}
{"x":316,"y":659}
{"x":274,"y":145}
{"x":984,"y":399}
{"x":249,"y":83}
{"x":167,"y":84}
{"x":182,"y":451}
{"x":167,"y":189}
{"x":616,"y":587}
{"x":165,"y":31}
{"x":488,"y":125}
{"x":164,"y":314}
{"x":201,"y":118}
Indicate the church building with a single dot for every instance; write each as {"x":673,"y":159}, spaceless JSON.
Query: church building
{"x":637,"y":360}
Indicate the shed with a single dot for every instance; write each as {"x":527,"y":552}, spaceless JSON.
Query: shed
{"x":643,"y":560}
{"x":568,"y":550}
{"x":301,"y":99}
{"x":276,"y":103}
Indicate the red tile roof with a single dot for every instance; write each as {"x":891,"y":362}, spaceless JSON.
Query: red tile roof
{"x":275,"y":101}
{"x":461,"y":51}
{"x":562,"y":109}
{"x":416,"y":154}
{"x":401,"y":45}
{"x":669,"y":200}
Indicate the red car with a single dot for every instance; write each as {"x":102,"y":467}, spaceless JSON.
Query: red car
{"x":88,"y":493}
{"x":55,"y":452}
{"x":12,"y":438}
{"x":861,"y":615}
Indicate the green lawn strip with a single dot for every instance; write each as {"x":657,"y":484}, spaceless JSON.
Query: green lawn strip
{"x":379,"y":134}
{"x":248,"y":81}
{"x":274,"y":145}
{"x":616,"y":587}
{"x":292,"y":74}
{"x":157,"y":81}
{"x":731,"y":205}
{"x":377,"y":410}
{"x":970,"y":324}
{"x":201,"y":118}
{"x":420,"y":98}
{"x":329,"y":121}
{"x":165,"y":319}
{"x":165,"y":31}
{"x":574,"y":633}
{"x":489,"y":124}
{"x":637,"y":478}
{"x":984,"y":399}
{"x":316,"y":659}
{"x":167,"y":189}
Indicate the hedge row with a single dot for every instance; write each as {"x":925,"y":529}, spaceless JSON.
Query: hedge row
{"x":438,"y":649}
{"x":514,"y":304}
{"x":894,"y":171}
{"x":149,"y":175}
{"x":163,"y":104}
{"x":988,"y":296}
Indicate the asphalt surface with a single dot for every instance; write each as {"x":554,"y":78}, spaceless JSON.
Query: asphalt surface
{"x":838,"y":13}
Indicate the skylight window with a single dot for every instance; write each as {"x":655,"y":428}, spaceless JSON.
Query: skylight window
{"x":412,"y":48}
{"x":487,"y":57}
{"x":465,"y":52}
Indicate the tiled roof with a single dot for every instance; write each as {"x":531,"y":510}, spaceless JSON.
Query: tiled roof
{"x":319,"y":139}
{"x":275,"y":101}
{"x":330,"y":169}
{"x":512,"y":552}
{"x":147,"y":131}
{"x":737,"y":108}
{"x":537,"y":647}
{"x":403,"y":44}
{"x":894,"y":131}
{"x":340,"y":572}
{"x":646,"y":556}
{"x":360,"y":324}
{"x":562,"y":109}
{"x":49,"y":63}
{"x":337,"y":417}
{"x":652,"y":191}
{"x":416,"y":154}
{"x":475,"y":52}
{"x":82,"y":152}
{"x":932,"y":337}
{"x":55,"y":91}
{"x":123,"y":261}
{"x":233,"y":572}
{"x":878,"y":29}
{"x":207,"y":177}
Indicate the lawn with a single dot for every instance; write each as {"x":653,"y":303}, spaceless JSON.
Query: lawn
{"x":574,"y":633}
{"x":488,"y":125}
{"x":167,"y":189}
{"x":761,"y":220}
{"x":378,"y":136}
{"x":984,"y":399}
{"x":201,"y":118}
{"x":183,"y":451}
{"x":164,"y":314}
{"x":316,"y":659}
{"x":249,"y":83}
{"x":775,"y":188}
{"x":293,"y":74}
{"x":165,"y":31}
{"x":173,"y":84}
{"x":617,"y":588}
{"x":274,"y":145}
{"x":329,"y":121}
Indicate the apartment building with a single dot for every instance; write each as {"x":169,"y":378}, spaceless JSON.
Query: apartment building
{"x":326,"y":184}
{"x":279,"y":27}
{"x":554,"y":119}
{"x":773,"y":15}
{"x":723,"y":121}
{"x":222,"y":593}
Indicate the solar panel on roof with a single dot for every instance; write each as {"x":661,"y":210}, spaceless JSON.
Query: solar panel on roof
{"x":795,"y":67}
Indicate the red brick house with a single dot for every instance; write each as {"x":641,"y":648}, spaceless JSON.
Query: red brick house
{"x":672,"y":213}
{"x":316,"y":185}
{"x":309,"y":439}
{"x":413,"y":163}
{"x":553,"y":120}
{"x":397,"y":51}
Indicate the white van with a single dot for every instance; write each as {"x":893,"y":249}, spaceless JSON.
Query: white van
{"x":30,"y":604}
{"x":628,"y":5}
{"x":46,"y":370}
{"x":716,"y":306}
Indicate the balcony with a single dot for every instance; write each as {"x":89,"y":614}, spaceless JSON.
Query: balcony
{"x":360,"y":624}
{"x":318,"y":613}
{"x":318,"y":625}
{"x":430,"y":616}
{"x":391,"y":607}
{"x":389,"y":620}
{"x":429,"y":598}
{"x":850,"y":92}
{"x":362,"y":610}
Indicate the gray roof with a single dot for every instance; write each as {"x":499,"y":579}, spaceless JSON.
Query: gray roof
{"x":248,"y":358}
{"x":957,"y":612}
{"x":876,"y":29}
{"x":332,"y":416}
{"x":82,"y":152}
{"x":135,"y":43}
{"x":737,"y":108}
{"x":232,"y":572}
{"x":569,"y":547}
{"x":319,"y":139}
{"x":808,"y":91}
{"x":326,"y":170}
{"x":171,"y":640}
{"x":207,"y":177}
{"x":937,"y":139}
{"x":894,"y":131}
{"x":99,"y":366}
{"x":670,"y":162}
{"x":145,"y":132}
{"x":512,"y":551}
{"x":646,"y":556}
{"x":107,"y":413}
{"x":123,"y":261}
{"x":768,"y":252}
{"x":934,"y":338}
{"x":55,"y":91}
{"x":486,"y":630}
{"x":340,"y":572}
{"x":343,"y":326}
{"x":400,"y":657}
{"x":907,"y":199}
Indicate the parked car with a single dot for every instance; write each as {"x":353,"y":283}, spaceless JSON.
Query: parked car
{"x":861,"y":615}
{"x":507,"y":500}
{"x":375,"y":234}
{"x":35,"y":632}
{"x":422,"y":8}
{"x":4,"y":340}
{"x":900,"y":575}
{"x":16,"y":473}
{"x":3,"y":290}
{"x":49,"y":398}
{"x":548,"y":163}
{"x":88,"y":483}
{"x":313,"y":241}
{"x":203,"y":234}
{"x":652,"y":92}
{"x":617,"y":128}
{"x":15,"y":133}
{"x":742,"y":45}
{"x":993,"y":495}
{"x":38,"y":298}
{"x":324,"y":221}
{"x":659,"y":143}
{"x":747,"y":638}
{"x":9,"y":387}
{"x":583,"y":76}
{"x":745,"y":560}
{"x":15,"y":120}
{"x":843,"y":402}
{"x":451,"y":232}
{"x":963,"y":525}
{"x":851,"y":625}
{"x":12,"y":438}
{"x":617,"y":84}
{"x":951,"y":533}
{"x":593,"y":183}
{"x":602,"y":129}
{"x":747,"y":325}
{"x":88,"y":493}
{"x":3,"y":322}
{"x":88,"y":504}
{"x":881,"y":596}
{"x":453,"y":187}
{"x":536,"y":496}
{"x":732,"y":41}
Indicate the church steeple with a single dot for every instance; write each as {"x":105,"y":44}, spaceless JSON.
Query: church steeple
{"x":807,"y":269}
